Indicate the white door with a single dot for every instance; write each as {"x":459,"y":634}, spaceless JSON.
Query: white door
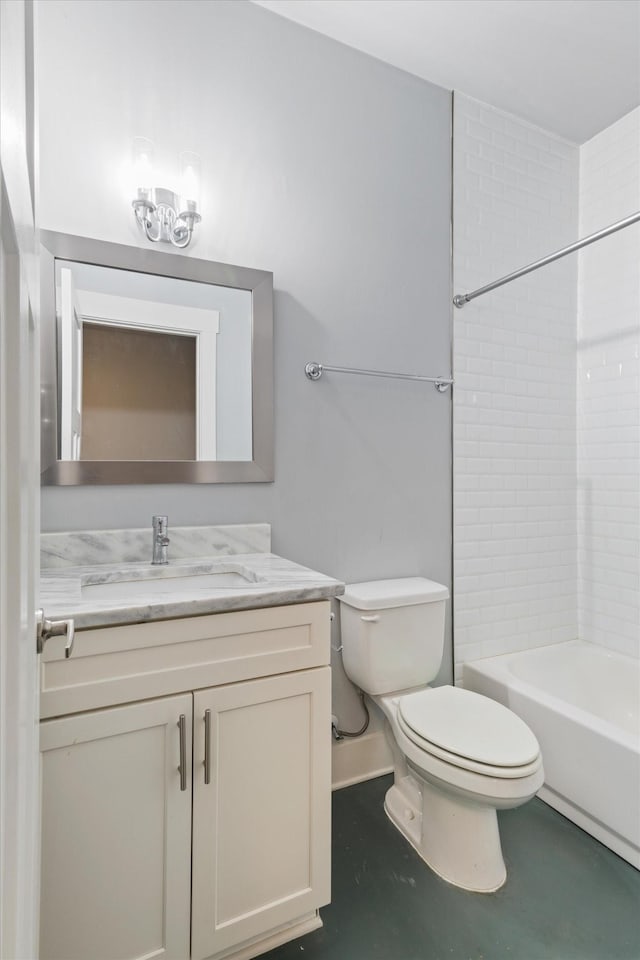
{"x":261,"y":807}
{"x":70,"y":369}
{"x":116,"y":833}
{"x":19,"y":492}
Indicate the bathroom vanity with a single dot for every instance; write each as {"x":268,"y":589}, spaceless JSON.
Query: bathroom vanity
{"x":185,"y":758}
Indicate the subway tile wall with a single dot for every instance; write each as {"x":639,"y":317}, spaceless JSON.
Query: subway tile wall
{"x":608,"y":392}
{"x":515,"y":537}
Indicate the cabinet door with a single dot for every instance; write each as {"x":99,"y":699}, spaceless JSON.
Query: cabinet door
{"x":261,"y":826}
{"x":116,"y":832}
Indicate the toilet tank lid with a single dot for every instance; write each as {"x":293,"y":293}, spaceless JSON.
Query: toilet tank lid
{"x":378,"y":594}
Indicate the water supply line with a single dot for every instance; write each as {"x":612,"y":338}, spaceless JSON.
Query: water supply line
{"x":341,"y":734}
{"x":336,"y":732}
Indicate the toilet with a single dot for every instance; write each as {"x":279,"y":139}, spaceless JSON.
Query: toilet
{"x":458,"y":756}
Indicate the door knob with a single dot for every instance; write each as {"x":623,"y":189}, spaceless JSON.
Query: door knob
{"x":53,"y":628}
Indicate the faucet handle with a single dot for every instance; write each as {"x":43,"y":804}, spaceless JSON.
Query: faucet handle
{"x":160,"y":523}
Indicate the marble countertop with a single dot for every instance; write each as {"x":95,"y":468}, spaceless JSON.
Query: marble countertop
{"x":270,"y":581}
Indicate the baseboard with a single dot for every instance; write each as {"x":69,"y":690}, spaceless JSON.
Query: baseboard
{"x":361,"y":758}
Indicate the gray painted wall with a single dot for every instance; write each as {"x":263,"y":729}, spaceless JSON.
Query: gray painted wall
{"x":325,"y":166}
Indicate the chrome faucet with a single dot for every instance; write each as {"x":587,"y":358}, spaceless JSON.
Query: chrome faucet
{"x":160,"y":540}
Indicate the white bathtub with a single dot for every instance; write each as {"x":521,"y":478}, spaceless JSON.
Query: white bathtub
{"x":582,"y":703}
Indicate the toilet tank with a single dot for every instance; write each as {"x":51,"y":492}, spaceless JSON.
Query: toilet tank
{"x":392,"y":633}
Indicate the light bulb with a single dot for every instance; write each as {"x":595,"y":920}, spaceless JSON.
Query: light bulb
{"x":190,"y":177}
{"x":142,"y":165}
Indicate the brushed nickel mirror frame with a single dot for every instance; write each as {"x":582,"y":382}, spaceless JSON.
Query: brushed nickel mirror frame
{"x":59,"y":246}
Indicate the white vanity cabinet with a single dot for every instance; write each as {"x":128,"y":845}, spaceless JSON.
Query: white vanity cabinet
{"x":144,"y":855}
{"x":261,"y":825}
{"x":116,"y":833}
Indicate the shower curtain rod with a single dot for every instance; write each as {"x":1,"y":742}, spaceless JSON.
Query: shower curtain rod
{"x":461,"y":298}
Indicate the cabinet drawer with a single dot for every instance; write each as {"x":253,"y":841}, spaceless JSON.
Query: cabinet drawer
{"x":122,"y":664}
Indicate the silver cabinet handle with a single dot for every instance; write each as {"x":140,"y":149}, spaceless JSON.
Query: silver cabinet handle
{"x":45,"y":629}
{"x":207,"y":746}
{"x":182,"y":726}
{"x":372,"y":618}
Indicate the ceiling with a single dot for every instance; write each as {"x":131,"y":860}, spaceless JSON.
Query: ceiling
{"x":569,"y":66}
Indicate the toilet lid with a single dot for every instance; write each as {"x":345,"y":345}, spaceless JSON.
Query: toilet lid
{"x":469,"y":725}
{"x":454,"y":759}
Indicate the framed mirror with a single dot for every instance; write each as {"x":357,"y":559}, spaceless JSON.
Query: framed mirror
{"x":155,"y":367}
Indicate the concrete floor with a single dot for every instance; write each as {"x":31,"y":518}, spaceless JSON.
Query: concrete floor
{"x":567,"y":897}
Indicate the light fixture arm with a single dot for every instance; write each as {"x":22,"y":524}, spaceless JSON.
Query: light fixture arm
{"x":163,"y":215}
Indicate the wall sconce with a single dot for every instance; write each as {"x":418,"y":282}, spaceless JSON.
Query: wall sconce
{"x":161,"y":213}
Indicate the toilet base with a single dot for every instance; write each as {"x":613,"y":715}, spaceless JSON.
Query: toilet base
{"x":458,"y":840}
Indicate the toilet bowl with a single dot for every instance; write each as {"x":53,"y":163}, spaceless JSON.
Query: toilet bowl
{"x":445,"y":803}
{"x":458,"y":756}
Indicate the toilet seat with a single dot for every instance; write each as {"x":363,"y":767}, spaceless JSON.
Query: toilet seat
{"x":469,"y":731}
{"x":463,"y":763}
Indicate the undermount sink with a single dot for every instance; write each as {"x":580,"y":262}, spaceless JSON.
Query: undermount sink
{"x":169,"y":583}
